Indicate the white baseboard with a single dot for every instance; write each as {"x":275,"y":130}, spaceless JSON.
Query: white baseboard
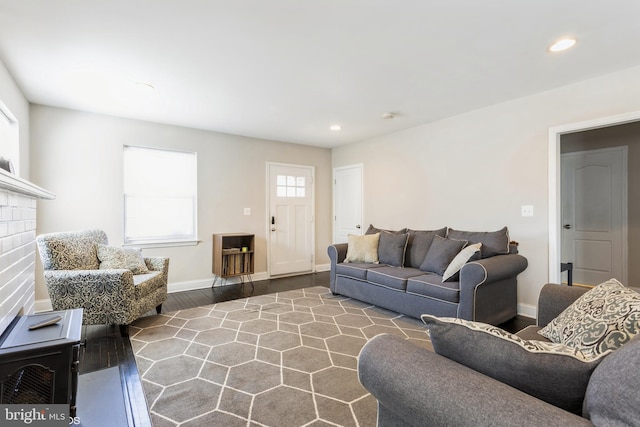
{"x":323,"y":267}
{"x":42,"y":305}
{"x":528,"y":310}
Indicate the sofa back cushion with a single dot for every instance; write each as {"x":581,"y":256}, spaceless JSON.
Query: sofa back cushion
{"x":71,"y":250}
{"x":418,"y":245}
{"x":493,"y":242}
{"x":611,"y":397}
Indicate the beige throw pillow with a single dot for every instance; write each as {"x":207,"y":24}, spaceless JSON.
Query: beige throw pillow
{"x":363,"y":248}
{"x":460,"y":260}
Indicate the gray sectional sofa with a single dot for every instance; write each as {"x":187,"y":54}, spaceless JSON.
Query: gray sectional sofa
{"x":481,"y":379}
{"x":407,"y":276}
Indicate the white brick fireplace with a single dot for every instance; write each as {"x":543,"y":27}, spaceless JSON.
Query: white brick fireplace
{"x":18,"y":201}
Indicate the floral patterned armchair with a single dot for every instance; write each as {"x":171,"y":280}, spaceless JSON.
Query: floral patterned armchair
{"x":75,"y":279}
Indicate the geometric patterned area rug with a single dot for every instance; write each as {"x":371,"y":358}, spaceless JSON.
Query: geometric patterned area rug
{"x":283,"y":359}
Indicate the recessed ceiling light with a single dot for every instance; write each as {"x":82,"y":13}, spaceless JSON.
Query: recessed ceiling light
{"x":335,"y":128}
{"x":562,"y":44}
{"x":145,"y":86}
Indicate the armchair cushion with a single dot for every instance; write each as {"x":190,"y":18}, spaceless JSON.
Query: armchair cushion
{"x":599,"y":321}
{"x":128,"y":258}
{"x":551,"y":372}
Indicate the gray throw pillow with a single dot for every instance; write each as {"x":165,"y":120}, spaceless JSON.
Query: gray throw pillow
{"x":374,"y":230}
{"x":609,"y":399}
{"x":419,"y":244}
{"x":552,"y":372}
{"x":493,"y":242}
{"x":441,"y":252}
{"x":391,"y":248}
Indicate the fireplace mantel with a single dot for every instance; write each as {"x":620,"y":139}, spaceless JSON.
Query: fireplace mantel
{"x":16,"y":184}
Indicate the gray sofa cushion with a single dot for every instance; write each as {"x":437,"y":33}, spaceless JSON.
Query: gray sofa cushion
{"x":493,"y":242}
{"x":419,"y":244}
{"x":611,"y":398}
{"x":357,"y":270}
{"x":431,"y":285}
{"x":551,"y":372}
{"x":392,"y":247}
{"x":440,"y":254}
{"x":392,"y":277}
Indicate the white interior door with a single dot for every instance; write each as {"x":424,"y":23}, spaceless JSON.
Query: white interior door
{"x":290,"y":218}
{"x":347,"y":202}
{"x":594,"y":214}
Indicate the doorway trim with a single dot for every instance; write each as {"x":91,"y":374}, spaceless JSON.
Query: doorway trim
{"x":555,"y":133}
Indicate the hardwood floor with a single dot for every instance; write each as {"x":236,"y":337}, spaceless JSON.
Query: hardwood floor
{"x":104,"y":347}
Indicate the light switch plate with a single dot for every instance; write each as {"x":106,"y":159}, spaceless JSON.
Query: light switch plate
{"x":247,"y":211}
{"x":527,"y":210}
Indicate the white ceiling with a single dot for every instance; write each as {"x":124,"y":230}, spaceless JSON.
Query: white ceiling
{"x":288,"y":69}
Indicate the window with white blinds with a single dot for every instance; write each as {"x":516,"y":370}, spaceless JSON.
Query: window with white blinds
{"x":160,"y":196}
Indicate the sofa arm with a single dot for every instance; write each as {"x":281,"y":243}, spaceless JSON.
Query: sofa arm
{"x":84,"y":288}
{"x":421,"y":388}
{"x":337,"y":253}
{"x":158,"y":264}
{"x":554,"y":299}
{"x":488,"y":288}
{"x":492,"y":269}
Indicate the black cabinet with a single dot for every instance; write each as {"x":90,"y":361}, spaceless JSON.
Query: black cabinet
{"x":40,"y":366}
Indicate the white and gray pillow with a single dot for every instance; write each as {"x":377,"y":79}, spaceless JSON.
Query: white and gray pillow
{"x":598,"y":322}
{"x":466,"y":254}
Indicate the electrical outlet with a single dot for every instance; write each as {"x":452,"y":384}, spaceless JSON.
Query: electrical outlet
{"x":527,"y":210}
{"x":247,"y":211}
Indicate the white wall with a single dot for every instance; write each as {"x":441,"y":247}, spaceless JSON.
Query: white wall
{"x":13,"y":98}
{"x":475,"y":170}
{"x":78,"y":157}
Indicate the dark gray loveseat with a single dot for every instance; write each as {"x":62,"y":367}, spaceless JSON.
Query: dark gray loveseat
{"x":429,"y":389}
{"x":484,"y":290}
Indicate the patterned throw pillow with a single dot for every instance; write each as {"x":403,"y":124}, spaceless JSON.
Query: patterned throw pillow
{"x":599,"y":321}
{"x":112,"y":257}
{"x":362,"y":248}
{"x":552,"y":372}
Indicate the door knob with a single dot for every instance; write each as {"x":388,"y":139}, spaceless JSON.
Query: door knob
{"x":358,"y":226}
{"x":273,"y":229}
{"x":567,"y":226}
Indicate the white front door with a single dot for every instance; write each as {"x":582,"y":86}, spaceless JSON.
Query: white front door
{"x":290,"y":218}
{"x":594,"y":214}
{"x":347,"y":202}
